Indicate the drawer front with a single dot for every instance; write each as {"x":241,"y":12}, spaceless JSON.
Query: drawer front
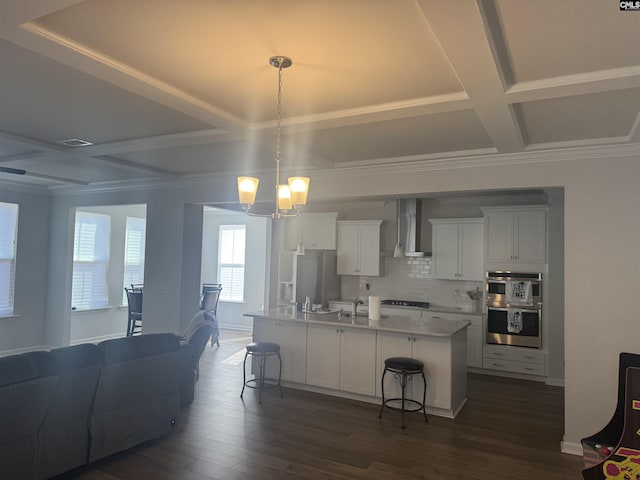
{"x":516,"y":354}
{"x":511,"y":366}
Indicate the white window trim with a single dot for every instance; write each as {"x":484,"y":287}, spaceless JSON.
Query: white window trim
{"x":9,"y":308}
{"x":227,"y":290}
{"x":99,"y":258}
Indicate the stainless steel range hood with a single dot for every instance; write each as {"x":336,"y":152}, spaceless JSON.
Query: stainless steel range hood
{"x":410,"y":220}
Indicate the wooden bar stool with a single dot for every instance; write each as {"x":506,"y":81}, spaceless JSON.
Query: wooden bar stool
{"x":403,"y":368}
{"x":261,"y":351}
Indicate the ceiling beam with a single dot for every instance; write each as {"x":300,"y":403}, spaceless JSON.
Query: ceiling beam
{"x":579,"y":84}
{"x":475,"y":62}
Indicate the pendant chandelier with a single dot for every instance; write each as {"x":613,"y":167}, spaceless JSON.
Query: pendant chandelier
{"x":289,"y":197}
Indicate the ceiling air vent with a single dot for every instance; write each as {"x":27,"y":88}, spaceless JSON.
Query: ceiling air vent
{"x":74,"y":142}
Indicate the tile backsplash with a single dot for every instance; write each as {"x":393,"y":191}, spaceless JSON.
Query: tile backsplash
{"x":410,"y":278}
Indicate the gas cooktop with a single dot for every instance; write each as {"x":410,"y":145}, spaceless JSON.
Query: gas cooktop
{"x":405,"y":303}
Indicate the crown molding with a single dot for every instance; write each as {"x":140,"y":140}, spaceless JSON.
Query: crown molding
{"x":24,"y":188}
{"x":408,"y":165}
{"x":496,"y":200}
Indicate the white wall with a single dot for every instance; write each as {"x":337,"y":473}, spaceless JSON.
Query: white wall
{"x":230,"y":314}
{"x":601,"y":224}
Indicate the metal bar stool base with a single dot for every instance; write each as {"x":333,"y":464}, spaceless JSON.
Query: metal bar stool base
{"x":261,"y":351}
{"x":403,"y":368}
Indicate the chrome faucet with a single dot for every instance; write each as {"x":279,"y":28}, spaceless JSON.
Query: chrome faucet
{"x":354,"y":307}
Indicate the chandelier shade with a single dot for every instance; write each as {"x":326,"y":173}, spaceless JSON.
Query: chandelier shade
{"x":289,"y":197}
{"x":247,"y":189}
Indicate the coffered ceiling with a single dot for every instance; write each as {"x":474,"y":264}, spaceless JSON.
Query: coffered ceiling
{"x":171,"y":89}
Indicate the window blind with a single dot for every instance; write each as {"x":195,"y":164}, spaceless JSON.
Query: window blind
{"x":8,"y":235}
{"x":90,"y":261}
{"x":135,"y":236}
{"x":231,"y":258}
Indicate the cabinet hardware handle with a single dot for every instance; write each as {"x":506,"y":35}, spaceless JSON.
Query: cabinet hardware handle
{"x":497,"y":364}
{"x":528,"y":368}
{"x":337,"y":330}
{"x":436,"y":317}
{"x":497,"y":354}
{"x":408,"y":339}
{"x":529,"y":357}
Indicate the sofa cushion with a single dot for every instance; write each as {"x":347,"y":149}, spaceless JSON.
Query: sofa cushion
{"x":18,"y":368}
{"x":130,"y":348}
{"x":63,"y":441}
{"x":26,"y":388}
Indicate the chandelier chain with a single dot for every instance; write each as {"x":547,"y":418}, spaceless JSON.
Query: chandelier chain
{"x":278,"y":125}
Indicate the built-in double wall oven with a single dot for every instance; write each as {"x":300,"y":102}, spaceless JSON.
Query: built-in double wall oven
{"x":514,"y":308}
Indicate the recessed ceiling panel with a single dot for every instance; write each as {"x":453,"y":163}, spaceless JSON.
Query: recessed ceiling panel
{"x":222,"y":157}
{"x":10,"y":149}
{"x":581,"y":117}
{"x":346,"y":54}
{"x":54,"y":102}
{"x":81,"y":169}
{"x":551,"y":38}
{"x":452,"y":131}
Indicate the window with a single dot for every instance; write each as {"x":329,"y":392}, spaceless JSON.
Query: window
{"x":90,"y":261}
{"x":8,"y":233}
{"x":134,"y":253}
{"x":231,"y":262}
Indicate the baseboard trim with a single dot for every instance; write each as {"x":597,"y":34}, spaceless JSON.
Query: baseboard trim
{"x":98,"y":339}
{"x":437,"y":411}
{"x":231,"y":326}
{"x":571,"y":448}
{"x":555,"y":382}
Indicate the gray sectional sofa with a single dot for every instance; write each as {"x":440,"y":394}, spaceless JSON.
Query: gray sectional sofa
{"x":62,"y":409}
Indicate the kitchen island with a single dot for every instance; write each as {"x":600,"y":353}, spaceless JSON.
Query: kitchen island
{"x":339,"y":355}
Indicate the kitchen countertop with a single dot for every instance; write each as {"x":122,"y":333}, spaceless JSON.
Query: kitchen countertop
{"x":391,"y":323}
{"x":432,"y":308}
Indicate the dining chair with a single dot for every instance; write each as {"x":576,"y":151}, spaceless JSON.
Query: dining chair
{"x":134,"y":301}
{"x":209,"y":302}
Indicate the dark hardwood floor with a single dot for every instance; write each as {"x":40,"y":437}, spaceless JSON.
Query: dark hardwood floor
{"x":509,"y":429}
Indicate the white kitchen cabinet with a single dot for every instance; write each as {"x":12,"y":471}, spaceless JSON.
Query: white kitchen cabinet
{"x":475,"y":342}
{"x":458,"y":248}
{"x":515,"y":235}
{"x":391,"y":344}
{"x":316,"y":231}
{"x":359,"y":247}
{"x":445,"y":370}
{"x":341,"y":358}
{"x":475,"y":338}
{"x":292,"y":338}
{"x":358,"y":361}
{"x":508,"y":358}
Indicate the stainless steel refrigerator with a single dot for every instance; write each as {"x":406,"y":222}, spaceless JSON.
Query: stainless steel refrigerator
{"x":316,"y":277}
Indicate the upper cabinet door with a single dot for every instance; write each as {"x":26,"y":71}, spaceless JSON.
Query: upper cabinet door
{"x":316,"y":231}
{"x":319,"y":230}
{"x":348,"y":250}
{"x":530,"y":236}
{"x":499,"y":236}
{"x":471,"y":256}
{"x":458,"y":248}
{"x":516,"y":236}
{"x":359,"y":247}
{"x":445,"y":250}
